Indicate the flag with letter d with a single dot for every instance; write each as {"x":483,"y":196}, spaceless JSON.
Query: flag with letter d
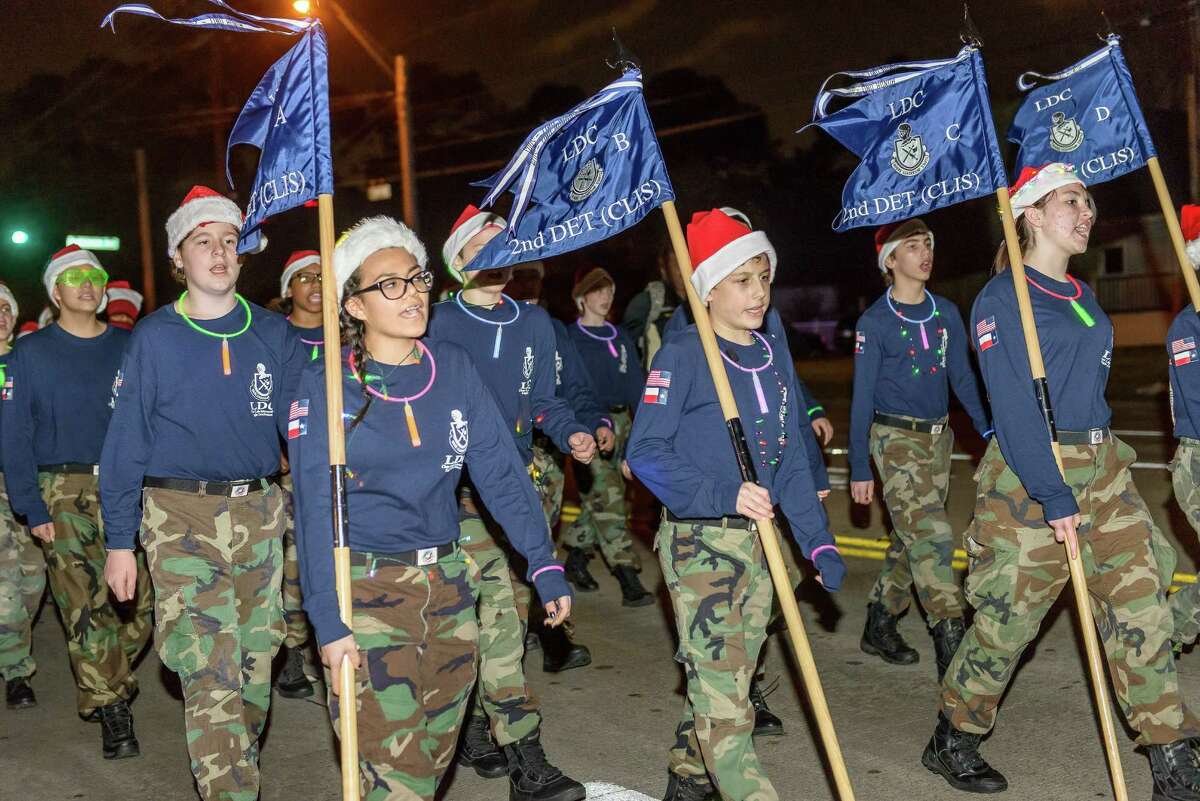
{"x":579,"y":178}
{"x":1087,"y":116}
{"x":924,"y":133}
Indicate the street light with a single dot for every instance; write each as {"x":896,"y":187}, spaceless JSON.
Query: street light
{"x":302,"y":7}
{"x":19,"y":237}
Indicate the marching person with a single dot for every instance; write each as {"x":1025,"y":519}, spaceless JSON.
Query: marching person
{"x":300,"y":292}
{"x":415,"y":419}
{"x":649,"y":311}
{"x":513,"y":347}
{"x":124,"y":305}
{"x":55,"y":417}
{"x":22,"y":565}
{"x":910,"y":350}
{"x":191,"y":463}
{"x":712,"y":561}
{"x":615,"y":375}
{"x":1025,"y":510}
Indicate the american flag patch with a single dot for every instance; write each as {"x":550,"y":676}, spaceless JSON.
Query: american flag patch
{"x":297,"y":419}
{"x":6,"y":392}
{"x":1183,"y":351}
{"x":860,"y":341}
{"x":298,"y":409}
{"x":985,"y":330}
{"x":655,"y":395}
{"x":659,"y":378}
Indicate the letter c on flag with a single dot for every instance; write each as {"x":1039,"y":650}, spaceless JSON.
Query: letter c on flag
{"x":956,"y":135}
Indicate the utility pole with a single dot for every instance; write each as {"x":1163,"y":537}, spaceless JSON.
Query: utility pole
{"x":404,"y":140}
{"x":149,"y":295}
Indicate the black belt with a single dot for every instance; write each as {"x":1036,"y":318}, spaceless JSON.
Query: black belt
{"x":71,"y":468}
{"x":923,"y":426}
{"x":733,"y":521}
{"x":229,"y":489}
{"x":1093,"y":436}
{"x":419,"y":557}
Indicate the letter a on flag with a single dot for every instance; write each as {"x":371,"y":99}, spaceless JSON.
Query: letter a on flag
{"x":924,"y":133}
{"x":579,"y":178}
{"x":1087,"y":116}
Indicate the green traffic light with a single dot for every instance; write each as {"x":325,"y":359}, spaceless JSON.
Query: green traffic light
{"x":19,"y":237}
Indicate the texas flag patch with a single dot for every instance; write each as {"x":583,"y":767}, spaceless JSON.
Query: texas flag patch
{"x":297,"y":419}
{"x":1183,"y":351}
{"x":985,"y":331}
{"x":860,"y":342}
{"x":6,"y":392}
{"x":657,"y":384}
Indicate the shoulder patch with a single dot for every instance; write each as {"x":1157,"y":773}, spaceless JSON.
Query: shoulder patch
{"x":985,"y":332}
{"x":1183,"y":351}
{"x":297,"y":419}
{"x":860,"y":342}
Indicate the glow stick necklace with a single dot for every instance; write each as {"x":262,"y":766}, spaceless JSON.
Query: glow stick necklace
{"x":606,"y":340}
{"x":413,"y":434}
{"x":1081,"y":312}
{"x":225,"y":366}
{"x":921,"y":323}
{"x":316,"y":343}
{"x":754,"y":371}
{"x":499,"y":326}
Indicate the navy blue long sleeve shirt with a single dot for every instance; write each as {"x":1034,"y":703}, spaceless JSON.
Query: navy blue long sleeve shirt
{"x":58,"y":409}
{"x":313,"y":340}
{"x":521,"y":376}
{"x":1077,"y":359}
{"x":680,"y":448}
{"x":400,"y":497}
{"x":571,"y":382}
{"x":178,"y":416}
{"x":616,"y":379}
{"x":895,"y":373}
{"x":1184,"y":360}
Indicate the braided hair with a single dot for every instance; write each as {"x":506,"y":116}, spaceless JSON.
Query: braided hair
{"x":355,"y":331}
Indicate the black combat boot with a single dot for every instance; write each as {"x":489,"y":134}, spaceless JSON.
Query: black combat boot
{"x":683,"y":788}
{"x":478,"y":750}
{"x":292,"y":681}
{"x":576,"y":570}
{"x":766,"y":722}
{"x":1176,"y":771}
{"x":559,"y":653}
{"x":954,"y":755}
{"x":116,"y":731}
{"x":532,"y":641}
{"x":531,"y":777}
{"x":947,"y":636}
{"x":18,"y":694}
{"x":881,"y":638}
{"x":632,"y":591}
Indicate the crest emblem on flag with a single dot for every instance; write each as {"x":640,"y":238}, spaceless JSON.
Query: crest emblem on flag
{"x":586,"y":181}
{"x":1183,"y":351}
{"x":1065,"y":133}
{"x":910,"y":155}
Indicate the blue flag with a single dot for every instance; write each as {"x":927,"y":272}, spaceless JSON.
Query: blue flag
{"x":924,"y":133}
{"x":286,"y":117}
{"x":1088,"y":116}
{"x":580,"y":178}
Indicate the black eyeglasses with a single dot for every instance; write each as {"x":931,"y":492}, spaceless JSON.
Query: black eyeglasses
{"x":396,"y":288}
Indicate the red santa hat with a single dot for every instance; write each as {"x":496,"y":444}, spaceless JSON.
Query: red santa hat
{"x":65,"y":259}
{"x":295,"y":263}
{"x":6,"y":294}
{"x":470,"y":222}
{"x":123,"y":299}
{"x":365,"y":238}
{"x":718,"y":245}
{"x":889,"y":237}
{"x":1034,"y":183}
{"x":26,"y":329}
{"x":200,"y":207}
{"x":1189,"y":221}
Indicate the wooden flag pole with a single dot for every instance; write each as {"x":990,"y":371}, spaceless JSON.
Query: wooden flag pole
{"x":766,"y":528}
{"x":1078,"y":581}
{"x":347,"y":701}
{"x":1172,"y":218}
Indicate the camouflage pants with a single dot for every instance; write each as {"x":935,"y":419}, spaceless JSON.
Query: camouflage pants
{"x":915,"y":470}
{"x":1018,"y":570}
{"x":1185,"y":473}
{"x":602,"y":510}
{"x":103,"y":637}
{"x":418,"y":635}
{"x":548,"y":476}
{"x":22,"y":584}
{"x":502,"y":694}
{"x":293,"y":600}
{"x":217,"y":565}
{"x":721,"y":593}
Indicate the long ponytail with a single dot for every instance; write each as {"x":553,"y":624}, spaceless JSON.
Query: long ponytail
{"x":355,"y":331}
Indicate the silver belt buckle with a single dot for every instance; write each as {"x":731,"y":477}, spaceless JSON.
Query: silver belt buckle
{"x":1096,"y":435}
{"x":937,"y":429}
{"x":239,"y":490}
{"x":426,"y":556}
{"x":95,"y":470}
